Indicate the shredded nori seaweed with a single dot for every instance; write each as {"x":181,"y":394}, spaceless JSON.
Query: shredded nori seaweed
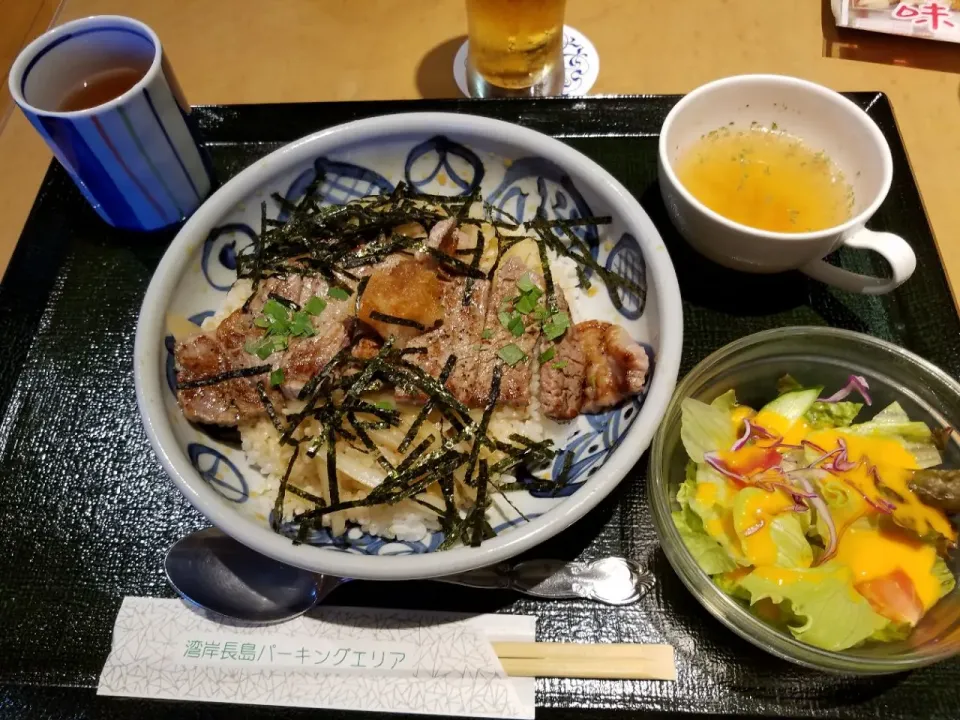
{"x":427,"y":406}
{"x":290,"y":304}
{"x":480,"y":509}
{"x":277,"y":516}
{"x":394,"y":320}
{"x":484,"y":420}
{"x":224,"y":377}
{"x":455,"y":266}
{"x":580,"y":253}
{"x":306,"y":495}
{"x":361,"y":289}
{"x":268,"y":406}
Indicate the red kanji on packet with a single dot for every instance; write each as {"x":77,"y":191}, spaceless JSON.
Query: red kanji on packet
{"x":932,"y":14}
{"x":926,"y":19}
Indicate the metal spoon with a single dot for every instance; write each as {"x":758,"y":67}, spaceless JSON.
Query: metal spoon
{"x":214,"y":572}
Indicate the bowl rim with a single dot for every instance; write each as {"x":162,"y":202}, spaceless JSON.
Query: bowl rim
{"x":793,"y":83}
{"x":746,"y":625}
{"x":150,"y":332}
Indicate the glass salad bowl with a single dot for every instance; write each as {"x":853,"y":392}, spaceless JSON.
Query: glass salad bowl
{"x":821,"y":356}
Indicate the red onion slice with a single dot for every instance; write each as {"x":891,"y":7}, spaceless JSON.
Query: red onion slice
{"x":750,"y":430}
{"x":761,"y":432}
{"x":880,"y":505}
{"x":714,"y":461}
{"x":841,"y":463}
{"x":822,"y":511}
{"x":875,"y":476}
{"x":813,"y":446}
{"x":771,"y":485}
{"x":826,"y":456}
{"x":753,"y":529}
{"x":744,"y":437}
{"x":855,"y":382}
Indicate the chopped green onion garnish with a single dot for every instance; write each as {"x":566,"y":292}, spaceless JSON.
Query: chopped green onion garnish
{"x":529,"y":294}
{"x":547,"y":355}
{"x":525,"y":283}
{"x":505,"y":318}
{"x":253,"y":347}
{"x":265,"y":347}
{"x":301,"y":325}
{"x":277,"y":312}
{"x":526,"y":304}
{"x":338,"y":293}
{"x":560,"y":364}
{"x":540,"y":312}
{"x":556,"y":325}
{"x":385,"y":405}
{"x":276,"y":377}
{"x":261,"y":321}
{"x":516,"y":326}
{"x":511,"y":354}
{"x":315,"y":305}
{"x":487,"y":334}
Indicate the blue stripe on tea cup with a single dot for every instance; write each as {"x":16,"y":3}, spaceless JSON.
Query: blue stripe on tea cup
{"x":133,"y":155}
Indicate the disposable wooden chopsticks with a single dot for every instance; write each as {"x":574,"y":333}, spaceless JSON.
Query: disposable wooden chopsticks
{"x":574,"y":660}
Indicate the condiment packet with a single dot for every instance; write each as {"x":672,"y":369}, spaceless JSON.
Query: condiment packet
{"x":337,"y":658}
{"x":939,"y":20}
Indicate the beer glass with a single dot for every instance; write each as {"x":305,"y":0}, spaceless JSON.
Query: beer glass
{"x":515,"y":47}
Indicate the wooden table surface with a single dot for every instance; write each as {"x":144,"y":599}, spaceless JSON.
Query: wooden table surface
{"x":250,"y":51}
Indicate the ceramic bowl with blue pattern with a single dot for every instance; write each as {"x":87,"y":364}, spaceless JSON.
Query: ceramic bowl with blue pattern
{"x":517,"y":170}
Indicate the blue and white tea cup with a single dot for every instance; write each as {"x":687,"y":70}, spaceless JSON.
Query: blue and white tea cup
{"x":134,"y":157}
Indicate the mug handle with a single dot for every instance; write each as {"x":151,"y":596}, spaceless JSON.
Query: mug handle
{"x":894,"y":249}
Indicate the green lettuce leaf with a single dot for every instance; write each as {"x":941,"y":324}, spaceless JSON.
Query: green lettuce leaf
{"x":726,"y":402}
{"x":708,"y":553}
{"x":945,"y":575}
{"x":821,"y":415}
{"x":724,"y":493}
{"x":831,"y":415}
{"x":704,"y":428}
{"x":829,"y":612}
{"x":730,"y":584}
{"x":715,"y":513}
{"x":892,"y":422}
{"x":788,"y":384}
{"x":892,"y":632}
{"x":844,"y":502}
{"x":793,"y":550}
{"x":805,"y":519}
{"x":785,"y":530}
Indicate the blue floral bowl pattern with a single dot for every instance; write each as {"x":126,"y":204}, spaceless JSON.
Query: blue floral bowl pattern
{"x":514,"y":180}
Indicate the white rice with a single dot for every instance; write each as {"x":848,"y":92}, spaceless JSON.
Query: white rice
{"x":564,"y":271}
{"x":234,"y":301}
{"x":405,"y":520}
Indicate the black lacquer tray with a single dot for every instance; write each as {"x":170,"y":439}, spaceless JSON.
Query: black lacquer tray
{"x":86,"y":511}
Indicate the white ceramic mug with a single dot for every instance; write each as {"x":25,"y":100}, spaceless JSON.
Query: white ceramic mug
{"x":826,"y":121}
